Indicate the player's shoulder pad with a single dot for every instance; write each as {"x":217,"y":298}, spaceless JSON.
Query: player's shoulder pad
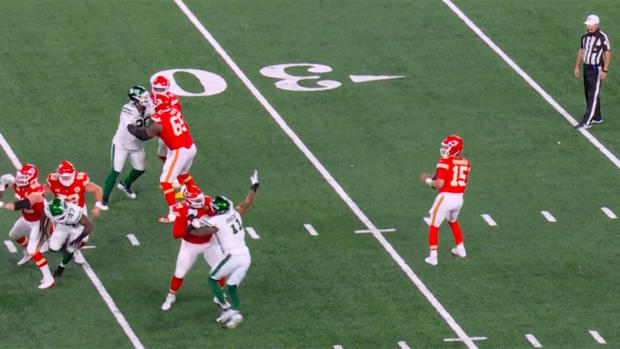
{"x":130,"y":108}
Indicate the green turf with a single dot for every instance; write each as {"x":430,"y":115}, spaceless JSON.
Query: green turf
{"x":67,"y":66}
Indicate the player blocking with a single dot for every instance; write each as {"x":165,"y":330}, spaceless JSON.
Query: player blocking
{"x":450,"y":180}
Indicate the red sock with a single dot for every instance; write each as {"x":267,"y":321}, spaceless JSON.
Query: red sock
{"x":40,"y":260}
{"x":168,"y":193}
{"x":456,"y":231}
{"x":23,"y":241}
{"x":222,"y":282}
{"x":163,"y":159}
{"x":433,"y":237}
{"x":175,"y":284}
{"x":186,"y":179}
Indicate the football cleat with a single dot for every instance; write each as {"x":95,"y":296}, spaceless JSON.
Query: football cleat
{"x":78,"y":257}
{"x":160,"y":85}
{"x":170,"y":299}
{"x":26,"y":176}
{"x":66,"y":173}
{"x":234,"y":321}
{"x":226,"y":315}
{"x":58,"y":272}
{"x":125,"y":189}
{"x":459,"y":251}
{"x":25,"y":258}
{"x":47,"y":282}
{"x":224,"y":306}
{"x":432,"y":260}
{"x":599,"y":121}
{"x":104,"y":206}
{"x":451,"y":146}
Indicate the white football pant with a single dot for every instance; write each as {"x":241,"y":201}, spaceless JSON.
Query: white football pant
{"x":22,"y":228}
{"x":446,"y":206}
{"x":178,"y":161}
{"x":233,"y":268}
{"x":136,"y":157}
{"x":188,"y":252}
{"x":63,"y":235}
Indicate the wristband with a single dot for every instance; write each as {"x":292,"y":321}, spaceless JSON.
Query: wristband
{"x":428,"y":181}
{"x":605,"y":71}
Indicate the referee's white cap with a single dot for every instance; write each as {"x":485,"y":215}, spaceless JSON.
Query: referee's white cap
{"x":591,"y":20}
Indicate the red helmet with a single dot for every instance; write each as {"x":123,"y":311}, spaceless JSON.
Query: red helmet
{"x":26,"y":176}
{"x":162,"y":103}
{"x":194,"y":197}
{"x":160,"y":85}
{"x":451,"y":146}
{"x":66,"y":173}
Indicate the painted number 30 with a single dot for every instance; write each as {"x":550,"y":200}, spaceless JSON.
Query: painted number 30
{"x":292,"y":82}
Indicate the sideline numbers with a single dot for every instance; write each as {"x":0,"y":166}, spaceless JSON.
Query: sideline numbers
{"x":212,"y":83}
{"x":291,"y":82}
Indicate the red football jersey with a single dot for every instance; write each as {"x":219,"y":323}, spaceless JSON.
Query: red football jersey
{"x":179,"y":229}
{"x":454,"y":171}
{"x":175,"y":132}
{"x":32,"y":214}
{"x":175,"y":102}
{"x":73,"y":193}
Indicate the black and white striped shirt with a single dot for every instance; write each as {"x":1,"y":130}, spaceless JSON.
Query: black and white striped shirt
{"x":593,"y":45}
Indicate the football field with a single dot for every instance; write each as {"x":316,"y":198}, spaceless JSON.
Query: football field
{"x":340,"y":105}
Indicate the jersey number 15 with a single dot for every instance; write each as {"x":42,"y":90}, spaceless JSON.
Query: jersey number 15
{"x":459,"y":176}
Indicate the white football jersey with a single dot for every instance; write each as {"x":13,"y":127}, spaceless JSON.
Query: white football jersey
{"x":72,"y":218}
{"x":131,"y":115}
{"x":230,"y":234}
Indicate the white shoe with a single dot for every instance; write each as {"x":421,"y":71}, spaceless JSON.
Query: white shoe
{"x":25,"y":258}
{"x":234,"y":321}
{"x":432,"y":260}
{"x":170,"y":298}
{"x":459,"y":251}
{"x":47,"y":282}
{"x":226,"y":315}
{"x":130,"y":193}
{"x":78,"y":257}
{"x":104,"y":206}
{"x":224,"y":306}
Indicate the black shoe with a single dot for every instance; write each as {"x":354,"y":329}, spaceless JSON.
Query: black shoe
{"x":599,"y":121}
{"x":584,"y":125}
{"x":58,"y":272}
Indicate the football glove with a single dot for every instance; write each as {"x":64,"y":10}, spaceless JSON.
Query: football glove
{"x":76,"y":243}
{"x":254,"y":180}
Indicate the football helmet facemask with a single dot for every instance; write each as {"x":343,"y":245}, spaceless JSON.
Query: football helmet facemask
{"x":451,"y":146}
{"x":221,"y":204}
{"x":160,"y":85}
{"x":26,"y":176}
{"x":66,"y":173}
{"x":139,"y":96}
{"x":194,"y":197}
{"x":58,"y":208}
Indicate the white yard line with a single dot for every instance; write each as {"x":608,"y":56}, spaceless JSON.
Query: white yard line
{"x":311,"y":229}
{"x":366,"y":231}
{"x":133,"y":239}
{"x":535,"y":343}
{"x":597,"y":337}
{"x":252,"y":233}
{"x":328,"y":177}
{"x":89,"y":271}
{"x":609,"y":213}
{"x":403,"y":345}
{"x":532,"y":83}
{"x":548,"y":216}
{"x":487,"y":218}
{"x":10,"y":246}
{"x":87,"y":247}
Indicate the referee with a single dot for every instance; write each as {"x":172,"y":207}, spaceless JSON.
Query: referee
{"x":595,"y":53}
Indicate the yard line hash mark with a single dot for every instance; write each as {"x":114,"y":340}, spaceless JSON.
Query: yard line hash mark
{"x":338,"y":346}
{"x":120,"y":318}
{"x":328,"y":178}
{"x":133,"y":239}
{"x":368,"y":78}
{"x":311,"y":229}
{"x":548,"y":216}
{"x":252,"y":233}
{"x":532,"y":83}
{"x":535,"y":343}
{"x":403,"y":345}
{"x":597,"y":337}
{"x":458,"y":339}
{"x":487,"y":218}
{"x":366,"y":231}
{"x":10,"y":246}
{"x":609,"y":213}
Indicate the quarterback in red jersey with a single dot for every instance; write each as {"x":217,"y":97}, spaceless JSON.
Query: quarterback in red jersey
{"x":195,"y":206}
{"x":68,"y":184}
{"x":161,"y":86}
{"x":170,"y":127}
{"x":27,"y":229}
{"x":451,"y":180}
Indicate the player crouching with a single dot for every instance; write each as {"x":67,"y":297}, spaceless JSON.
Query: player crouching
{"x":71,"y":227}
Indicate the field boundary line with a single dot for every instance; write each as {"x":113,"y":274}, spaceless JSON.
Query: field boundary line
{"x":602,"y":148}
{"x":328,"y":177}
{"x":89,"y":271}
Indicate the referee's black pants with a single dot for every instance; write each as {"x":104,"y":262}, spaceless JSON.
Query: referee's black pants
{"x":592,"y":84}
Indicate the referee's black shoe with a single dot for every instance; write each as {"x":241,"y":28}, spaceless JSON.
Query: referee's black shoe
{"x":583,"y":124}
{"x":599,"y":121}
